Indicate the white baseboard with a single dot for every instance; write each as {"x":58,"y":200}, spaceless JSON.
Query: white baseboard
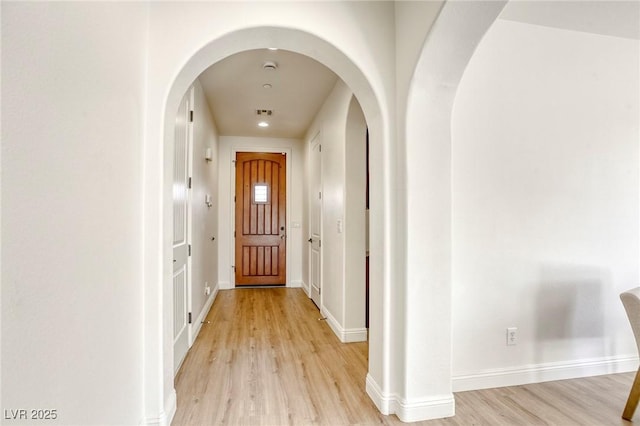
{"x":382,"y":402}
{"x":203,"y":314}
{"x":170,"y":407}
{"x":165,"y":417}
{"x":355,"y":335}
{"x":225,"y":285}
{"x":295,"y":284}
{"x":346,"y":335}
{"x":306,"y":289}
{"x":544,"y":373}
{"x":437,"y":407}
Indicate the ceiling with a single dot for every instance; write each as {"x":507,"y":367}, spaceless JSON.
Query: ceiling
{"x":299,"y":85}
{"x":610,"y":18}
{"x":234,"y":88}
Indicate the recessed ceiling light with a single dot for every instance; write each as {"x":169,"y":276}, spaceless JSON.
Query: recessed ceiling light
{"x":273,"y":48}
{"x":267,"y":86}
{"x":263,"y":124}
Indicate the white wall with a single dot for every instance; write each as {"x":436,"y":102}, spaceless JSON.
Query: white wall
{"x":204,"y":257}
{"x":545,"y":205}
{"x":295,"y":181}
{"x":413,"y":20}
{"x":425,"y":329}
{"x":84,"y":44}
{"x":73,"y":95}
{"x":77,"y":243}
{"x":343,"y":191}
{"x":331,"y":123}
{"x":355,"y":223}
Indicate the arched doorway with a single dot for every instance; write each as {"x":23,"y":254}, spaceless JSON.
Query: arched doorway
{"x":157,"y":371}
{"x":428,"y":307}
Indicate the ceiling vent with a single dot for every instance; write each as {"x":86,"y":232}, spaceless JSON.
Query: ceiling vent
{"x":269,"y":65}
{"x":265,"y":112}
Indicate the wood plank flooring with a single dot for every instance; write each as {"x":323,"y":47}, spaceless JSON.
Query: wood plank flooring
{"x":264,"y":358}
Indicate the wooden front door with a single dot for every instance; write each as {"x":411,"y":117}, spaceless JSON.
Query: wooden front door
{"x":260,"y":228}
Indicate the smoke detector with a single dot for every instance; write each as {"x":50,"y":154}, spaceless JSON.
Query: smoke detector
{"x":270,"y":65}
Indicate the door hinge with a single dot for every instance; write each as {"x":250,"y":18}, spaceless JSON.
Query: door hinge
{"x":234,"y":234}
{"x":191,"y":116}
{"x":189,"y":183}
{"x":189,"y":249}
{"x":320,"y":148}
{"x":234,"y":268}
{"x":189,"y":317}
{"x":319,"y":243}
{"x":234,"y":198}
{"x":319,"y":195}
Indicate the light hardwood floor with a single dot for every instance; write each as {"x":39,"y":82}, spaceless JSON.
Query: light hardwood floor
{"x":266,"y":359}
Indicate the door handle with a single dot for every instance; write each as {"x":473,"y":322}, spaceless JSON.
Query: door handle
{"x":310,"y":240}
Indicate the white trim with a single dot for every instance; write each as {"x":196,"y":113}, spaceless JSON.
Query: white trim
{"x":224,"y":285}
{"x":203,"y":314}
{"x":306,"y":289}
{"x":333,"y":323}
{"x":310,"y":205}
{"x":296,"y":284}
{"x":164,"y":417}
{"x":190,"y":130}
{"x":379,"y":398}
{"x":410,"y":411}
{"x":346,"y":335}
{"x":437,"y":407}
{"x":355,"y":335}
{"x":232,"y":214}
{"x":500,"y":377}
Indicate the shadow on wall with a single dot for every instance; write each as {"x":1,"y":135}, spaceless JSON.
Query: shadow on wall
{"x":570,"y":313}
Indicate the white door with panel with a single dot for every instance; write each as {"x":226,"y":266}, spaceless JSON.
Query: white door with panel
{"x":180,"y":234}
{"x":315,"y":221}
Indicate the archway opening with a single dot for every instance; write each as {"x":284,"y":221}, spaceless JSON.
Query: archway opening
{"x":330,"y":56}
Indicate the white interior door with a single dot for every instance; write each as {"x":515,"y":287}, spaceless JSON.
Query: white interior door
{"x":315,"y":221}
{"x":180,"y":235}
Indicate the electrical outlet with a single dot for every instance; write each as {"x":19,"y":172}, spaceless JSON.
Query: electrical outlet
{"x":512,"y":336}
{"x":207,"y":289}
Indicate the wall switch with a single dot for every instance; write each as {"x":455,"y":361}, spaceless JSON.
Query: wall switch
{"x":207,"y":289}
{"x":512,"y":336}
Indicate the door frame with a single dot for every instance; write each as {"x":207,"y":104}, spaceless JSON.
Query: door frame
{"x":190,"y":158}
{"x":317,"y":135}
{"x":232,"y":211}
{"x":189,"y":100}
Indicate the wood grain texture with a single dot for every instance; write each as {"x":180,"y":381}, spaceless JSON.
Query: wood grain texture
{"x":632,"y":401}
{"x":260,"y":224}
{"x":265,"y":359}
